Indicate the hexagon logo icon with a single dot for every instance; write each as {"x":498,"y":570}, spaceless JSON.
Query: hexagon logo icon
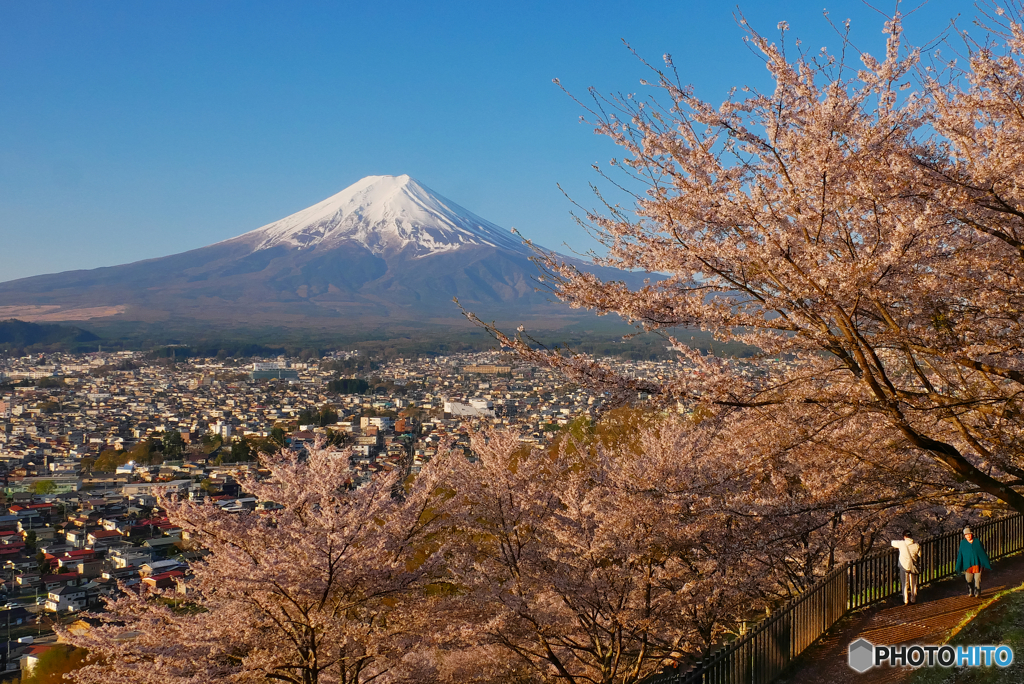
{"x":862,"y":655}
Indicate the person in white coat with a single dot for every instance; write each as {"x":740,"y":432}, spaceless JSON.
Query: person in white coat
{"x":910,"y":559}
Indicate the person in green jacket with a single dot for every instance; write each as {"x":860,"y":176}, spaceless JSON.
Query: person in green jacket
{"x":971,"y":560}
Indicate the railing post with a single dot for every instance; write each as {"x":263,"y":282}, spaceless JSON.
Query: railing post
{"x":849,"y":588}
{"x":824,"y":607}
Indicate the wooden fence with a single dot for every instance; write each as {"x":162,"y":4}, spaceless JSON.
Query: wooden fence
{"x":760,"y":655}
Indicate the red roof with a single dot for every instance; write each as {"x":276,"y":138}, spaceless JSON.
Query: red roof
{"x":30,"y":507}
{"x":105,"y":534}
{"x":165,"y":575}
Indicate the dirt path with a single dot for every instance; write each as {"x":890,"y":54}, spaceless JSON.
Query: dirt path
{"x":940,"y":607}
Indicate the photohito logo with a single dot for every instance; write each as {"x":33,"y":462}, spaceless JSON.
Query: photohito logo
{"x":863,"y":655}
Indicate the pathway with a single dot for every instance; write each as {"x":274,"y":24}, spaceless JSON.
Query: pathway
{"x":940,"y":607}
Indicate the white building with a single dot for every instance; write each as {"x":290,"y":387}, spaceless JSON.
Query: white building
{"x":66,"y":598}
{"x":476,"y":408}
{"x":269,"y":365}
{"x":223,"y":429}
{"x":381,"y":422}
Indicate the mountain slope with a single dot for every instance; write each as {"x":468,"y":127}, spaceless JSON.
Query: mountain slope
{"x":385,"y":249}
{"x":23,"y":334}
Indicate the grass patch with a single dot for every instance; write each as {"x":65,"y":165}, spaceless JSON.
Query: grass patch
{"x":998,"y":621}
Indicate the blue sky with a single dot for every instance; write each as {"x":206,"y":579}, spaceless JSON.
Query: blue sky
{"x":131,"y":130}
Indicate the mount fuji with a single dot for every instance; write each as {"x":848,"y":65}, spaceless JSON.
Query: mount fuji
{"x":385,"y":250}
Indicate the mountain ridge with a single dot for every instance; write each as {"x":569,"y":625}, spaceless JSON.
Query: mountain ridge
{"x":385,"y":250}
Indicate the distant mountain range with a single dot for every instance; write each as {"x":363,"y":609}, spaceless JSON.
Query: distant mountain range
{"x":384,"y":251}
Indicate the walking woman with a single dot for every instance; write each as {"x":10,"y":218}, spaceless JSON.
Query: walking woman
{"x":910,"y":557}
{"x":971,"y":560}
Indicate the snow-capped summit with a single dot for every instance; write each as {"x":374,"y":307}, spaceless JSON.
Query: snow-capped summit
{"x":385,"y":214}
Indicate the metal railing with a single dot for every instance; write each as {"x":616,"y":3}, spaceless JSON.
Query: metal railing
{"x":760,"y":655}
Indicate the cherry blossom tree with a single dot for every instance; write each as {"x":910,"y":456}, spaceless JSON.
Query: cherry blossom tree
{"x":561,"y":570}
{"x":602,"y":559}
{"x":640,"y":540}
{"x":316,"y":588}
{"x":860,"y":225}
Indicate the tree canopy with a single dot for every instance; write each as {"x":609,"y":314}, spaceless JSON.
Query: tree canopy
{"x":322,"y":417}
{"x":861,"y":225}
{"x":314,"y":591}
{"x":54,"y":663}
{"x":43,"y":487}
{"x":349,"y":386}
